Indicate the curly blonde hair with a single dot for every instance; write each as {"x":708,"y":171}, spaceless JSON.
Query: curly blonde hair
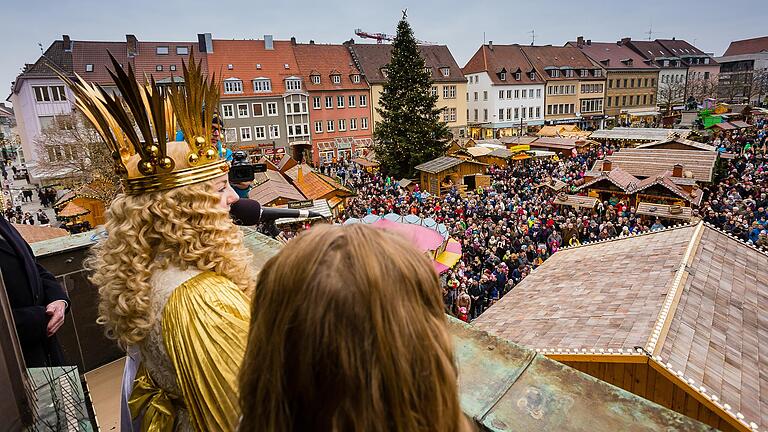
{"x":183,"y":226}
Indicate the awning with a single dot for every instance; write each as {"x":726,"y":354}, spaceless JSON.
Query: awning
{"x":665,"y":211}
{"x":643,"y":113}
{"x":575,"y":201}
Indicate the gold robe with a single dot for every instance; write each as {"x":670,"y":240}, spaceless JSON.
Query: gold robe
{"x":192,"y":356}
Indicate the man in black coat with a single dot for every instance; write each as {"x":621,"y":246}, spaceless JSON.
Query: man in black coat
{"x":38,"y":302}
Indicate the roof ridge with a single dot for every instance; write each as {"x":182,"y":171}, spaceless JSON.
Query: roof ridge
{"x":631,"y":235}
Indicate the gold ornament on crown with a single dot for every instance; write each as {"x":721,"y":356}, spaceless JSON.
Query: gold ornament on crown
{"x":142,"y":120}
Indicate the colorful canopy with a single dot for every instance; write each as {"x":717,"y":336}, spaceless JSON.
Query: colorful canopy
{"x":449,"y":257}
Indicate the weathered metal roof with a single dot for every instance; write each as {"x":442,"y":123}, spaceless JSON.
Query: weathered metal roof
{"x":638,"y":134}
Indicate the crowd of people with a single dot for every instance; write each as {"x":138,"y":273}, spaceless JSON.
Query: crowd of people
{"x":510,"y":228}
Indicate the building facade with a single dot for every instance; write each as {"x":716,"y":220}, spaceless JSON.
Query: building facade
{"x":573,"y":83}
{"x":703,"y":70}
{"x":630,"y":91}
{"x":339,"y":102}
{"x":673,"y":72}
{"x":450,"y":85}
{"x":505,"y":94}
{"x":743,"y":74}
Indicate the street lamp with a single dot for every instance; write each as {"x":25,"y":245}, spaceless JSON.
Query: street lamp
{"x":522,"y":108}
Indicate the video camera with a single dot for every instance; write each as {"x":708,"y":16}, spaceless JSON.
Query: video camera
{"x":241,"y":171}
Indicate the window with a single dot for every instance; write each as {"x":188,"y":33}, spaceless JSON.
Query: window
{"x":339,"y":101}
{"x":172,"y":68}
{"x":89,"y":68}
{"x":591,"y":105}
{"x":260,"y":132}
{"x":271,"y":109}
{"x":342,"y":125}
{"x":162,"y":50}
{"x":316,"y":102}
{"x":632,"y":83}
{"x":274,"y":131}
{"x":449,"y":115}
{"x":549,"y":110}
{"x":434,"y":91}
{"x":645,"y":99}
{"x":517,"y":76}
{"x":228,"y":111}
{"x":182,"y":50}
{"x":262,"y":85}
{"x":509,"y":113}
{"x":295,"y":130}
{"x":329,"y":102}
{"x":159,"y":68}
{"x":525,"y":93}
{"x":363,"y":100}
{"x":475,"y":95}
{"x":598,"y":73}
{"x":625,"y":82}
{"x":351,"y":102}
{"x":475,"y":115}
{"x":501,"y":94}
{"x":554,"y":73}
{"x":230,"y":134}
{"x":445,"y":71}
{"x":653,"y":83}
{"x":233,"y":86}
{"x":624,"y":101}
{"x":509,"y":94}
{"x":336,"y":78}
{"x":318,"y":127}
{"x":364,"y":123}
{"x":449,"y":92}
{"x":315,"y":79}
{"x":485,"y":115}
{"x":522,"y":112}
{"x":57,"y":93}
{"x":706,"y":74}
{"x":610,"y":83}
{"x":538,"y":112}
{"x":501,"y":114}
{"x":242,"y":110}
{"x":517,"y":113}
{"x":533,"y":76}
{"x":296,"y":107}
{"x":616,"y":101}
{"x":353,"y":124}
{"x":245,"y":134}
{"x":530,"y":112}
{"x":569,"y":73}
{"x":485,"y":95}
{"x":330,"y":126}
{"x":503,"y":76}
{"x":666,"y":63}
{"x":608,"y":101}
{"x":293,"y":84}
{"x":583,"y":73}
{"x":356,"y":79}
{"x":538,"y":93}
{"x":517,"y":94}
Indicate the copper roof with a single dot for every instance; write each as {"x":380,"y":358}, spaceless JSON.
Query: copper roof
{"x":372,"y":58}
{"x":506,"y":58}
{"x":36,"y":233}
{"x":613,"y":56}
{"x":650,"y":162}
{"x":325,"y":60}
{"x":627,"y":295}
{"x":747,"y":46}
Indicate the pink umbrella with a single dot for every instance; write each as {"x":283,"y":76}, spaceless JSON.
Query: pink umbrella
{"x":422,"y":238}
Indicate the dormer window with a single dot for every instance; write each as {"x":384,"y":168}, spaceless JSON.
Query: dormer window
{"x":356,"y":78}
{"x":286,"y":66}
{"x":584,"y":73}
{"x":172,"y":68}
{"x":315,"y":79}
{"x":89,"y":68}
{"x":445,"y":71}
{"x":706,"y":60}
{"x":233,"y":85}
{"x":533,"y":76}
{"x":182,"y":50}
{"x":262,"y":85}
{"x":554,"y":73}
{"x":336,"y":78}
{"x":569,"y":73}
{"x":503,"y":75}
{"x":597,"y":73}
{"x":666,"y":63}
{"x":385,"y":72}
{"x":293,"y":84}
{"x":161,"y":50}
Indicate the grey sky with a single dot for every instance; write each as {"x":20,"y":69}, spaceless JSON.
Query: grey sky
{"x":709,"y":24}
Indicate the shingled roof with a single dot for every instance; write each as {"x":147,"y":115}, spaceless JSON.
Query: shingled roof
{"x":55,"y":57}
{"x":613,"y":56}
{"x":372,"y":58}
{"x":546,"y":57}
{"x":495,"y":59}
{"x":707,"y":288}
{"x":747,"y":46}
{"x":650,"y":162}
{"x":326,"y":60}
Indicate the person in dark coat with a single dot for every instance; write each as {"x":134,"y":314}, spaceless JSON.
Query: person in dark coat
{"x":37,"y":300}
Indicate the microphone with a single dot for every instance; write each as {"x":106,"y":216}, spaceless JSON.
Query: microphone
{"x":249,"y":212}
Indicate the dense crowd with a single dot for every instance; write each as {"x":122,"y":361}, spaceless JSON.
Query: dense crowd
{"x":512,"y":227}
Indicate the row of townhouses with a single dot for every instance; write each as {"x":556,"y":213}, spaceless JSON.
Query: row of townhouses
{"x":319,"y":101}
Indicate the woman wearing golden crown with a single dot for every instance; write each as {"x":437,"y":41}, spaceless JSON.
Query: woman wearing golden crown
{"x":173,"y":273}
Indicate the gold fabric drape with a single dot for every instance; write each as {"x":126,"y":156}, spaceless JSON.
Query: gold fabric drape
{"x":205,"y":330}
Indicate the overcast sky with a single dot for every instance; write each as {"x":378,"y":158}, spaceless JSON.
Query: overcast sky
{"x":462,"y":25}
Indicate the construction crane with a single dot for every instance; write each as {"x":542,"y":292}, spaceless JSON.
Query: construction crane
{"x":381,"y":37}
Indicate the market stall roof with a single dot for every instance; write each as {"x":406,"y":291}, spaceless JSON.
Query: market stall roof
{"x":517,"y":140}
{"x":500,"y":153}
{"x":553,"y":184}
{"x":270,"y":186}
{"x":664,"y":211}
{"x":365,"y":162}
{"x":442,"y":163}
{"x":476,"y":151}
{"x":723,"y":126}
{"x":562,"y":143}
{"x":649,"y":162}
{"x":674,"y":139}
{"x":319,"y":206}
{"x":36,"y":233}
{"x":637,"y":134}
{"x":741,"y":124}
{"x":702,"y":287}
{"x":72,"y":210}
{"x":619,"y":177}
{"x":580,"y":201}
{"x":666,"y":181}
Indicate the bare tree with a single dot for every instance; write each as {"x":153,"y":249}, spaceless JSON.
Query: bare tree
{"x":758,"y":88}
{"x":670,"y":93}
{"x":71,"y":147}
{"x":700,"y":88}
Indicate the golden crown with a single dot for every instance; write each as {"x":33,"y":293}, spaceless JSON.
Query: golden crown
{"x":139,"y":127}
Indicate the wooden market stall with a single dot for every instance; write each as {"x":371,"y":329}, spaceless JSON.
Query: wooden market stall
{"x":578,"y":201}
{"x":439,"y":175}
{"x":665,"y":211}
{"x":499,"y":157}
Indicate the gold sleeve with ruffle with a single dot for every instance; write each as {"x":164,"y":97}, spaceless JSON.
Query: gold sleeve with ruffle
{"x":205,"y":331}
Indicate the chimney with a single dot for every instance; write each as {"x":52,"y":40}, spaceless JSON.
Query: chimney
{"x":589,"y":41}
{"x":677,"y":170}
{"x":580,"y":41}
{"x":490,"y":45}
{"x":67,"y":43}
{"x":293,"y":40}
{"x":623,"y":41}
{"x":269,"y":42}
{"x":205,"y":43}
{"x":311,"y":42}
{"x":607,"y":165}
{"x":673,"y":38}
{"x":131,"y":45}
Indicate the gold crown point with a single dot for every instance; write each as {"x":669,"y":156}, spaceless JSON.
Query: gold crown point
{"x":200,"y":141}
{"x":154,"y":151}
{"x":193,"y":158}
{"x":210,"y":153}
{"x":166,"y":163}
{"x":146,"y":168}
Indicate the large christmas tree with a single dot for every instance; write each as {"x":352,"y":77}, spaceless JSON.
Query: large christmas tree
{"x":410,"y":131}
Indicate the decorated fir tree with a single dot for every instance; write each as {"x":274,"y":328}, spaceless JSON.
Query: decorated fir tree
{"x":410,"y":131}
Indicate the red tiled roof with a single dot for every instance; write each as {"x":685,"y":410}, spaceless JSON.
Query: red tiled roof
{"x":624,"y":180}
{"x":97,"y":54}
{"x":651,"y":49}
{"x":509,"y":58}
{"x":545,"y":57}
{"x":373,"y":57}
{"x":41,"y":68}
{"x":747,"y":46}
{"x":683,"y":49}
{"x":147,"y":60}
{"x":35,"y":233}
{"x":325,"y":60}
{"x":613,"y":56}
{"x":244,"y":55}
